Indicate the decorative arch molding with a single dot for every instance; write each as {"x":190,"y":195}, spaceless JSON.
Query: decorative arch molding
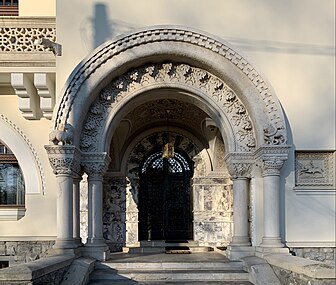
{"x":148,"y":44}
{"x":26,"y":155}
{"x":168,"y":75}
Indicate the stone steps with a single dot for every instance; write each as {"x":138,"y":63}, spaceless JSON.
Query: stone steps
{"x":173,"y":247}
{"x":175,"y":272}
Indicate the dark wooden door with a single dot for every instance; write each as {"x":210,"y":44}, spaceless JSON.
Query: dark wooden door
{"x":165,"y":198}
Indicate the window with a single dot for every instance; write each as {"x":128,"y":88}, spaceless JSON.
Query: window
{"x":12,"y":187}
{"x":9,"y":8}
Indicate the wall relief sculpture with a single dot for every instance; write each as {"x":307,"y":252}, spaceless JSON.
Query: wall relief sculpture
{"x":315,"y":169}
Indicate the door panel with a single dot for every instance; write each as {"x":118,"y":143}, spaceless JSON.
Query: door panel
{"x":165,"y":202}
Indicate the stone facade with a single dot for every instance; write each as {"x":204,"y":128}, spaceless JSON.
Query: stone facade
{"x":17,"y":252}
{"x":290,"y":277}
{"x":324,"y":254}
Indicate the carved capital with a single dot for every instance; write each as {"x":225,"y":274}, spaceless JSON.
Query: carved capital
{"x":239,"y":170}
{"x":272,"y":166}
{"x":239,"y":165}
{"x":95,"y":164}
{"x":64,"y":159}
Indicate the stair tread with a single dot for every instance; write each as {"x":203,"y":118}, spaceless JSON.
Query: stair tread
{"x":175,"y":282}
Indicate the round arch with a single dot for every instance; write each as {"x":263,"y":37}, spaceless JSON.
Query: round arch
{"x":211,"y":59}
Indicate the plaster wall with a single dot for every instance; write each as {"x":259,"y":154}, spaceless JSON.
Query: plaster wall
{"x":34,"y":8}
{"x":39,"y":221}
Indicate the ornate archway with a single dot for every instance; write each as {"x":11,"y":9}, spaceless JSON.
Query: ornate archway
{"x":202,"y":70}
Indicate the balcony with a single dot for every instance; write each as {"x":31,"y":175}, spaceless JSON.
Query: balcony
{"x":27,"y":68}
{"x":19,"y":41}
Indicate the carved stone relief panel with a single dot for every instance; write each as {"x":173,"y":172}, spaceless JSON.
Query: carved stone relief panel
{"x":212,"y":211}
{"x":315,"y":170}
{"x":114,"y":212}
{"x":84,"y":208}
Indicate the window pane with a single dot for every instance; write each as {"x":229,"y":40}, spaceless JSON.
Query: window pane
{"x":11,"y":185}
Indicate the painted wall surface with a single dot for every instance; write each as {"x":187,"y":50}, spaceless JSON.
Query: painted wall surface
{"x":40,"y":216}
{"x":34,"y":8}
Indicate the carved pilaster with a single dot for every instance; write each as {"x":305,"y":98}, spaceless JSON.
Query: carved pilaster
{"x":64,"y":159}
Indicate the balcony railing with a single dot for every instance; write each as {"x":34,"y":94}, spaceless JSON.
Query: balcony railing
{"x":20,"y":39}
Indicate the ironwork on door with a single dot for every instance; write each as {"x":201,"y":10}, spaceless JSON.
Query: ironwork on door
{"x":165,"y":211}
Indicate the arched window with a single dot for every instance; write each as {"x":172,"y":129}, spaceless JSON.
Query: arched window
{"x":12,"y":187}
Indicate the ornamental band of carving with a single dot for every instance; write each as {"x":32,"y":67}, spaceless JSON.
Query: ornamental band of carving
{"x":169,"y":74}
{"x":166,"y":34}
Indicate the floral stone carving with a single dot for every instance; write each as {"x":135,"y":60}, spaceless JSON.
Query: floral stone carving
{"x":168,"y":74}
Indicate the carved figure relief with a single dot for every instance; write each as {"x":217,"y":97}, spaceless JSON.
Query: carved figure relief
{"x":315,"y":168}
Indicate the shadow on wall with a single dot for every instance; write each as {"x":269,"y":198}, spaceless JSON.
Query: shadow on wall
{"x":101,"y":28}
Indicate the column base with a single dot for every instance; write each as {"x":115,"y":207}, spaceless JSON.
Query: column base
{"x":263,"y":251}
{"x":96,"y":248}
{"x":75,"y":252}
{"x":101,"y":253}
{"x":240,"y":241}
{"x":65,"y":244}
{"x":238,"y":252}
{"x":271,"y":242}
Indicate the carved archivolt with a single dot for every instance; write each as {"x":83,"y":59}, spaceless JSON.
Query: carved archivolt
{"x":168,"y":74}
{"x":168,"y":34}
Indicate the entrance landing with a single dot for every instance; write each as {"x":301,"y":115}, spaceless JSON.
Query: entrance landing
{"x":148,"y":269}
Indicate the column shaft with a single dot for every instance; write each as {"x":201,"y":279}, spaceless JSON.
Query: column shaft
{"x":240,"y":212}
{"x":95,"y":205}
{"x":64,"y":212}
{"x":76,"y":210}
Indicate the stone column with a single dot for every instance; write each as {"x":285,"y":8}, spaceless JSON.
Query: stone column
{"x":76,"y":209}
{"x":63,"y":160}
{"x":95,"y":246}
{"x":240,"y":245}
{"x":271,"y":177}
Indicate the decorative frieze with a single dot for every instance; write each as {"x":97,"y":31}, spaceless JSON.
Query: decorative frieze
{"x":315,"y":171}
